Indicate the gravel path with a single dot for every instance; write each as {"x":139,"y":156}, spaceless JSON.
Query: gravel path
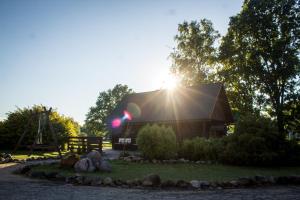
{"x":18,"y":187}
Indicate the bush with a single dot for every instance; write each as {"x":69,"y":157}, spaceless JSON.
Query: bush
{"x":247,"y":149}
{"x":256,"y":141}
{"x":157,"y":142}
{"x":12,"y":128}
{"x":201,"y":149}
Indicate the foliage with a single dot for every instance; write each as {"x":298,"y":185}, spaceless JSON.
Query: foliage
{"x":12,"y":128}
{"x":106,"y":102}
{"x":256,"y":141}
{"x":157,"y":142}
{"x":200,"y":148}
{"x":258,"y":59}
{"x":261,"y":54}
{"x":292,"y":115}
{"x":195,"y":52}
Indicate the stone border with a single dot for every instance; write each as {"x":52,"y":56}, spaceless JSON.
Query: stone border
{"x":154,"y":182}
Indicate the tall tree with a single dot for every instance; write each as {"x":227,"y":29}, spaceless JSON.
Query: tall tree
{"x":264,"y":41}
{"x":106,"y":102}
{"x":195,"y":53}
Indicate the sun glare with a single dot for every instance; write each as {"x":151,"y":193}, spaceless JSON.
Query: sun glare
{"x":170,"y":82}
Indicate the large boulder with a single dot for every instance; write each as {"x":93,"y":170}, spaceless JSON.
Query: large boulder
{"x":151,"y":180}
{"x":84,"y":165}
{"x":69,"y":161}
{"x":105,"y":166}
{"x":95,"y":157}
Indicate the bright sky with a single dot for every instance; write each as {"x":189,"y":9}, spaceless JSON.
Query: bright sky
{"x":62,"y":53}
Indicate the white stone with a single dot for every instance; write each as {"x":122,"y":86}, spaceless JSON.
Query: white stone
{"x":195,"y":184}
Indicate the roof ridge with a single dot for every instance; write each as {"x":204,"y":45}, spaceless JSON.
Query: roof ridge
{"x":179,"y":87}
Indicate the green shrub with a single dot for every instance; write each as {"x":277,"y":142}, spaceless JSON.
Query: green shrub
{"x":12,"y":128}
{"x":256,"y":141}
{"x":247,"y":149}
{"x":157,"y":142}
{"x":201,"y":149}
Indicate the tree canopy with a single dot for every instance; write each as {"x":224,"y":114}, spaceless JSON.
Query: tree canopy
{"x":258,"y":59}
{"x":262,"y":47}
{"x":195,"y":53}
{"x":95,"y":123}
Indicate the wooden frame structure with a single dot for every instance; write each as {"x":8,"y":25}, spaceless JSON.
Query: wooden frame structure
{"x":85,"y":144}
{"x":48,"y":122}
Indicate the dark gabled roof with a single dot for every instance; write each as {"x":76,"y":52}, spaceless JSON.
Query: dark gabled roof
{"x":184,"y":103}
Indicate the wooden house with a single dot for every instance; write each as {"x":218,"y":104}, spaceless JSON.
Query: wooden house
{"x":191,"y":111}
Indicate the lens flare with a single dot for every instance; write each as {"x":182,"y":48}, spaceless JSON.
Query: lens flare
{"x":134,"y":110}
{"x":127,"y":115}
{"x":116,"y":123}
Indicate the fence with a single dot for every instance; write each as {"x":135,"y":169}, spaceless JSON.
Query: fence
{"x":84,"y":144}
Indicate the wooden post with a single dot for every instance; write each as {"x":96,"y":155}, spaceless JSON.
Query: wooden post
{"x":24,"y":133}
{"x":100,"y":144}
{"x":54,"y":135}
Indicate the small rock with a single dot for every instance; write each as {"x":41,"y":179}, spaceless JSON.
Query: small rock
{"x":69,"y":161}
{"x":260,"y":180}
{"x":87,"y":180}
{"x":130,"y":183}
{"x":108,"y":181}
{"x":168,"y":183}
{"x":234,"y":183}
{"x":118,"y":182}
{"x":25,"y":169}
{"x":271,"y":180}
{"x":136,"y":159}
{"x":294,"y":180}
{"x":97,"y":181}
{"x":182,"y":184}
{"x":182,"y":160}
{"x":79,"y":180}
{"x":195,"y":184}
{"x":204,"y":184}
{"x":244,"y":181}
{"x":152,"y":180}
{"x":128,"y":159}
{"x":71,"y":179}
{"x":147,"y":183}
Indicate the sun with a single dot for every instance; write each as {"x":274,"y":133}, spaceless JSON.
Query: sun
{"x":170,"y":82}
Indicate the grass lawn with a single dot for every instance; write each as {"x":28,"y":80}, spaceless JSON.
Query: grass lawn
{"x":127,"y":171}
{"x":35,"y":154}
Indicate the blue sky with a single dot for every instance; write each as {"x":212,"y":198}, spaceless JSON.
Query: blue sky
{"x":62,"y":53}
